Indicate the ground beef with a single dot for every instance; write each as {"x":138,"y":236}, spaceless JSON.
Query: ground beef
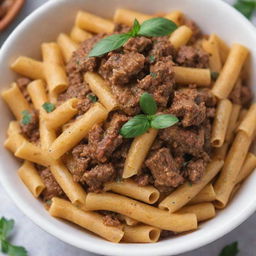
{"x":111,"y":220}
{"x":164,"y":169}
{"x":160,"y":81}
{"x":189,"y":56}
{"x":97,"y":176}
{"x":197,"y":33}
{"x":185,"y":106}
{"x":161,"y":48}
{"x":121,"y":28}
{"x":22,"y":84}
{"x":80,"y":161}
{"x":110,"y":140}
{"x":52,"y":187}
{"x":246,"y":95}
{"x":121,"y":68}
{"x":142,"y":179}
{"x":127,"y":99}
{"x":195,"y":170}
{"x":137,"y":44}
{"x":184,"y":141}
{"x":31,"y":130}
{"x":241,"y":95}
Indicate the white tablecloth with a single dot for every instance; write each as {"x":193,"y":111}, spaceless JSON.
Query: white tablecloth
{"x":40,"y":243}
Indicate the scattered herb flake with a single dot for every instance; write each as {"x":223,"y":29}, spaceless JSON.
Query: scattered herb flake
{"x":154,"y":75}
{"x":92,"y":98}
{"x":151,"y":59}
{"x":48,"y":107}
{"x":26,"y":117}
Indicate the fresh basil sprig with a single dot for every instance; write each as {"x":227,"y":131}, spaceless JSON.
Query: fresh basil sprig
{"x":230,"y":250}
{"x":140,"y":124}
{"x":6,"y":227}
{"x":246,"y":7}
{"x":152,"y":27}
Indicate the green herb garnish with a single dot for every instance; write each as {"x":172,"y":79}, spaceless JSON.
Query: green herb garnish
{"x":246,"y":7}
{"x":154,"y":75}
{"x":151,"y":59}
{"x":26,"y":117}
{"x":152,"y":27}
{"x":6,"y":227}
{"x":140,"y":124}
{"x":48,"y":107}
{"x":92,"y":98}
{"x":214,"y":75}
{"x":230,"y":250}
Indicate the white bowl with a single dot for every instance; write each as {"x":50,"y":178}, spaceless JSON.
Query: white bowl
{"x":58,"y":16}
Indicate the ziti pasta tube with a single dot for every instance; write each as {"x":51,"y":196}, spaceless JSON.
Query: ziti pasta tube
{"x":198,"y":76}
{"x":141,"y":234}
{"x":147,"y":194}
{"x":183,"y":194}
{"x":249,"y":121}
{"x":91,"y":221}
{"x":28,"y":67}
{"x":138,"y":152}
{"x":221,"y":121}
{"x":74,"y":191}
{"x":62,"y":114}
{"x":79,"y":35}
{"x":142,"y":212}
{"x":78,"y":130}
{"x":127,"y":17}
{"x":221,"y":152}
{"x":203,"y":211}
{"x":15,"y":101}
{"x":102,"y":90}
{"x":175,"y":16}
{"x":248,"y":166}
{"x":207,"y":194}
{"x":212,"y":48}
{"x":67,"y":46}
{"x":233,"y":163}
{"x":93,"y":23}
{"x":224,"y":49}
{"x":230,"y":72}
{"x":180,"y":36}
{"x":31,"y":178}
{"x":37,"y":93}
{"x":52,"y":54}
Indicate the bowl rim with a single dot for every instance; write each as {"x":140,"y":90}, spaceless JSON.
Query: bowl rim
{"x":110,"y":248}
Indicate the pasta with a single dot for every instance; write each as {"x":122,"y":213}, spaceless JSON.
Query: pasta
{"x":126,"y":17}
{"x":15,"y":100}
{"x":150,"y":135}
{"x":184,"y":75}
{"x":141,"y":234}
{"x":137,"y":153}
{"x":142,"y":212}
{"x":90,"y":220}
{"x":72,"y":135}
{"x":147,"y":194}
{"x":31,"y":178}
{"x":233,"y":163}
{"x":180,"y":36}
{"x":230,"y":71}
{"x":93,"y":23}
{"x":100,"y":88}
{"x":221,"y":122}
{"x":181,"y":196}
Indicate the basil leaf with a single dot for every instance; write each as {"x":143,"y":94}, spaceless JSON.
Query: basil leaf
{"x":246,"y":7}
{"x":135,"y":28}
{"x":157,"y":27}
{"x":14,"y":250}
{"x":48,"y":107}
{"x":230,"y":250}
{"x":26,"y":117}
{"x":109,"y":44}
{"x":135,"y":126}
{"x":6,"y":227}
{"x":148,"y":104}
{"x":163,"y":121}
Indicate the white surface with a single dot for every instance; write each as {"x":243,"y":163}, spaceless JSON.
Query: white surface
{"x":33,"y":238}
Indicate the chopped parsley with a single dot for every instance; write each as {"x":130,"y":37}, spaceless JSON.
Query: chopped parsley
{"x":48,"y":107}
{"x":26,"y":117}
{"x":154,"y":75}
{"x":92,"y":98}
